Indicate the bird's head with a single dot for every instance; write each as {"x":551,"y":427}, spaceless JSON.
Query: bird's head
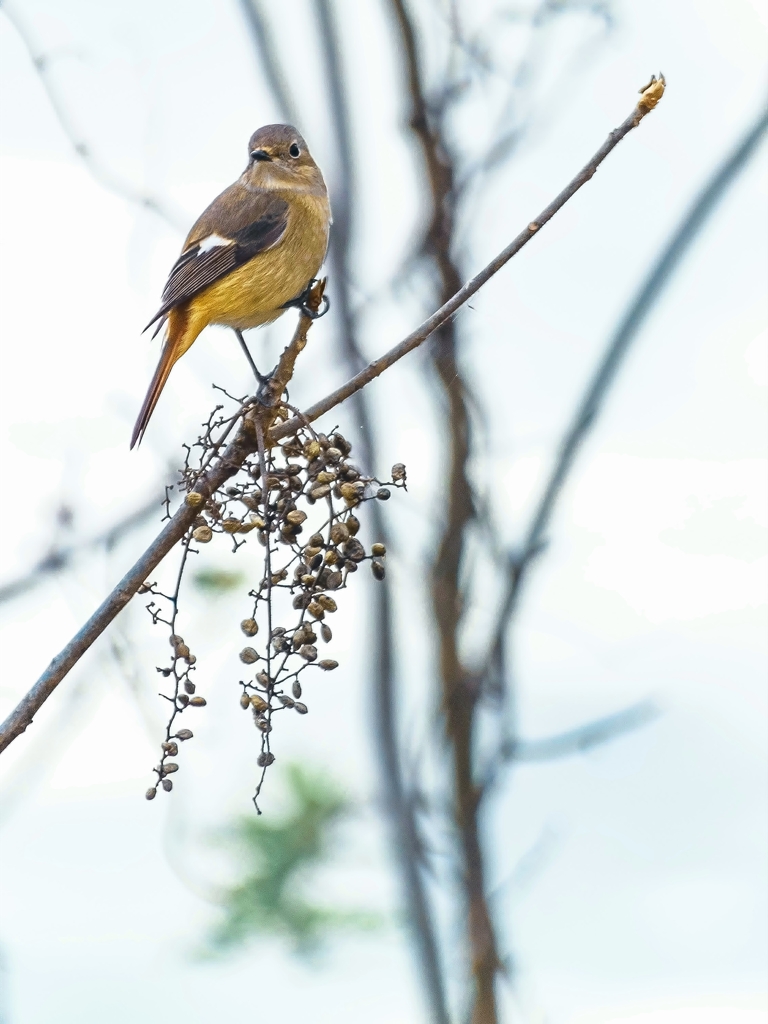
{"x":278,"y":158}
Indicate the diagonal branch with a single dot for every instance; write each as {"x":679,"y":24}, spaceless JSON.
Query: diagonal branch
{"x":453,"y":304}
{"x":237,"y":451}
{"x":226,"y":465}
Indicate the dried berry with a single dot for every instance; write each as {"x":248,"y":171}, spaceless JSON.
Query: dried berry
{"x":167,"y":785}
{"x":340,"y":533}
{"x":245,"y":700}
{"x":202,"y":534}
{"x":341,"y":443}
{"x":197,"y":702}
{"x":296,"y":688}
{"x":354,"y":550}
{"x":327,"y":664}
{"x":250,"y":627}
{"x":248,"y":655}
{"x":194,"y":500}
{"x":184,"y":734}
{"x":301,"y":708}
{"x":265,"y":759}
{"x":258,"y":703}
{"x":377,"y":568}
{"x":151,"y":793}
{"x":352,"y":492}
{"x":378,"y":550}
{"x":325,"y":632}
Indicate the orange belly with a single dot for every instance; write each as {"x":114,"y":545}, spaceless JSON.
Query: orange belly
{"x":255,"y":293}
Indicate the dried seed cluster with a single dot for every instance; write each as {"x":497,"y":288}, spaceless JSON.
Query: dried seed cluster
{"x":300,"y":499}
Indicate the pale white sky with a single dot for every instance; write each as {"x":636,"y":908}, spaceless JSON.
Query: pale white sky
{"x":647,"y":902}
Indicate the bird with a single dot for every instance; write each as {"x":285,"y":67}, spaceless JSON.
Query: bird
{"x":252,"y":254}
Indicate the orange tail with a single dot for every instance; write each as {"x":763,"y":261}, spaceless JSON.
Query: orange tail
{"x":180,"y":337}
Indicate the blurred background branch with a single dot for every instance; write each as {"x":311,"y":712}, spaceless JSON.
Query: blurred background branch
{"x":101,"y":172}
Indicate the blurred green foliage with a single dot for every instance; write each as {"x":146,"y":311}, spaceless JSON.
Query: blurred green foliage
{"x":278,"y":859}
{"x":217,"y":581}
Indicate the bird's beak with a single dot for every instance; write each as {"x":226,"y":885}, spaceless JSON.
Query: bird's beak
{"x":260,"y":154}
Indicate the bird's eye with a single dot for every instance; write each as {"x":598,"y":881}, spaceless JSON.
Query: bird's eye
{"x":294,"y":151}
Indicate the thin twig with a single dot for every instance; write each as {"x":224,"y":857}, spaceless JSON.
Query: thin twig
{"x":447,"y":310}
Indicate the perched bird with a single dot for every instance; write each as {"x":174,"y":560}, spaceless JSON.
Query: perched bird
{"x":253,"y":253}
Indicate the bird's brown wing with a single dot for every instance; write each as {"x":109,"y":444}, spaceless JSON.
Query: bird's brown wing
{"x":237,"y":226}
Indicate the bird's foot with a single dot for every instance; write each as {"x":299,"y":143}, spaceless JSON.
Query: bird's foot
{"x":267,"y":393}
{"x":300,"y":302}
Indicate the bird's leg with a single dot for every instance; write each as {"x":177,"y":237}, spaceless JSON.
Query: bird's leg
{"x":259,"y":376}
{"x":300,"y":302}
{"x":265,"y":392}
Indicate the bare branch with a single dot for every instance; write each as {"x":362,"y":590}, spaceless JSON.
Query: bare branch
{"x":99,"y":172}
{"x":221,"y":469}
{"x":236,"y":452}
{"x":447,"y":310}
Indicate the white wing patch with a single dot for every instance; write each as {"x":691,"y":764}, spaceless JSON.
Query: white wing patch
{"x":212,"y":242}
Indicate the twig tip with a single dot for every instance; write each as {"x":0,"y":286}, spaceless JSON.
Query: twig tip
{"x":651,"y":93}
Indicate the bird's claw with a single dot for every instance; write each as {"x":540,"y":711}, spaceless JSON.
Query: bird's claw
{"x":265,"y":395}
{"x":300,"y":302}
